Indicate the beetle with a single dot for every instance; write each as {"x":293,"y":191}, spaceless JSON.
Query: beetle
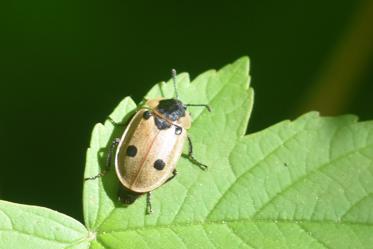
{"x":152,"y":143}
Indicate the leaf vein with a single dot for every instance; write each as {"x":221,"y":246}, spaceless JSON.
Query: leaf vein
{"x":36,"y":236}
{"x":249,"y":171}
{"x":309,"y":234}
{"x":240,"y":238}
{"x":178,"y":237}
{"x":305,"y":176}
{"x":356,"y":204}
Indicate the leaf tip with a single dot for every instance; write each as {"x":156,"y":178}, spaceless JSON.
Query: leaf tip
{"x":125,"y":106}
{"x":243,"y":62}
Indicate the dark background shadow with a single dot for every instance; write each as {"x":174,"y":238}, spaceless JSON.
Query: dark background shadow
{"x":64,"y":66}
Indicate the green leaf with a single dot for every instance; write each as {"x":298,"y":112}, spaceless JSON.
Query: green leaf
{"x":301,"y":184}
{"x":23,"y":226}
{"x":99,"y":199}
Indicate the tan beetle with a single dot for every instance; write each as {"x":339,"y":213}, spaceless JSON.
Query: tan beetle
{"x":147,"y":153}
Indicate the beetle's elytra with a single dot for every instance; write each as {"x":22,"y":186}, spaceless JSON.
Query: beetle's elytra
{"x":152,"y":143}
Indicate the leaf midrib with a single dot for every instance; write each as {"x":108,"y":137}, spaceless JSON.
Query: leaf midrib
{"x":239,"y":221}
{"x":33,"y":235}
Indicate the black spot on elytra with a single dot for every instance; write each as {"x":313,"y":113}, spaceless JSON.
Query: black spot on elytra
{"x":159,"y":164}
{"x":146,"y":114}
{"x":178,"y":130}
{"x":131,"y":151}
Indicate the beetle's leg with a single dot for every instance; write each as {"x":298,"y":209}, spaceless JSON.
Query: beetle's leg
{"x":149,"y":209}
{"x":203,"y":105}
{"x":112,"y":148}
{"x":115,"y":123}
{"x":108,"y":161}
{"x":174,"y":173}
{"x":191,"y":157}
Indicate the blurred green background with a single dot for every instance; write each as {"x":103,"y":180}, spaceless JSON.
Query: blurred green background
{"x":64,"y":66}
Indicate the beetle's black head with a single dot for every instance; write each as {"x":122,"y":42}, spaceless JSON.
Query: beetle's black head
{"x":172,"y":109}
{"x":127,"y":197}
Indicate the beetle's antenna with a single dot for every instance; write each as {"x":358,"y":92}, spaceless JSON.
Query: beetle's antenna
{"x":173,"y":72}
{"x":207,"y":106}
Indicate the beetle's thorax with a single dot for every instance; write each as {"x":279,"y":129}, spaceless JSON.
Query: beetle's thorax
{"x":171,"y":109}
